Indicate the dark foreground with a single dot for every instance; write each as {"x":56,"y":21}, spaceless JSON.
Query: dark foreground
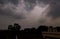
{"x":14,"y":32}
{"x":6,"y":34}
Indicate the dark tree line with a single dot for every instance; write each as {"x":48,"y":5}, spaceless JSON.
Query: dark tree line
{"x":14,"y":31}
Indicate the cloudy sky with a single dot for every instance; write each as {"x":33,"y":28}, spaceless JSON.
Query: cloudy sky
{"x":29,"y":13}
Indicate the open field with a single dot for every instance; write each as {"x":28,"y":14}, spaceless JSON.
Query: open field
{"x":51,"y":34}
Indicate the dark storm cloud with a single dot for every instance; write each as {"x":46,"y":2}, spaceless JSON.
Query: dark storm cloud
{"x":6,"y":12}
{"x":8,"y":8}
{"x":30,"y":4}
{"x":7,"y":1}
{"x":14,"y":1}
{"x":44,"y":1}
{"x":55,"y":9}
{"x":9,"y":11}
{"x":21,"y":16}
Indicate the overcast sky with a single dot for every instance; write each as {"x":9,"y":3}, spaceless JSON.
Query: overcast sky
{"x":29,"y":13}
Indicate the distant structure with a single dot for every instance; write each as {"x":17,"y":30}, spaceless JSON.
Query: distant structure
{"x":52,"y":29}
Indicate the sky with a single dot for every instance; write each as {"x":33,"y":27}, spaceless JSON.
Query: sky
{"x":29,"y":13}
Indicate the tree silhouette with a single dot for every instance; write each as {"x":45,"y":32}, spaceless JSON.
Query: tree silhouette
{"x":43,"y":28}
{"x":15,"y":31}
{"x":17,"y":26}
{"x":39,"y":32}
{"x":33,"y":29}
{"x":26,"y":33}
{"x":10,"y":27}
{"x":50,"y":28}
{"x":58,"y":29}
